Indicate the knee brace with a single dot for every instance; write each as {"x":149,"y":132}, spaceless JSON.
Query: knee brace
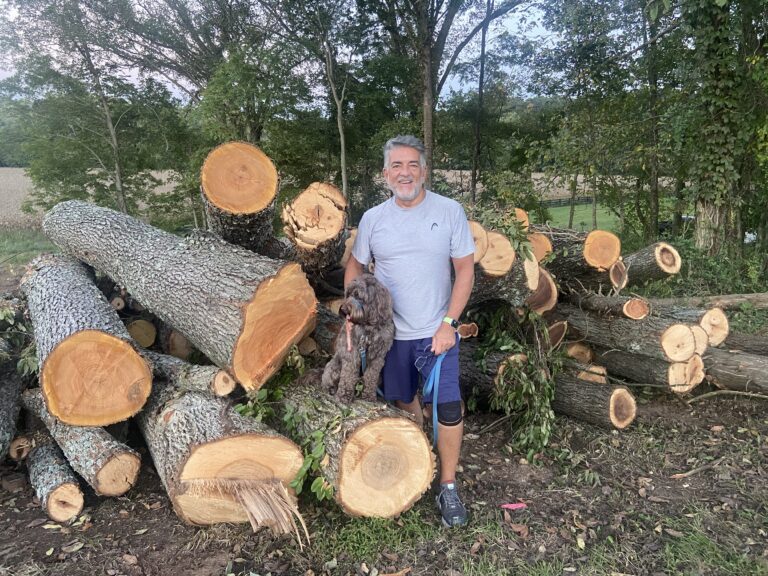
{"x":450,"y":413}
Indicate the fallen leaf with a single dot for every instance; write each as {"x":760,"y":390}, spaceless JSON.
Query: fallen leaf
{"x":520,"y":529}
{"x":580,"y":542}
{"x":155,"y":505}
{"x":390,"y":556}
{"x":716,"y":429}
{"x":73,"y":547}
{"x":130,"y":559}
{"x":140,"y":532}
{"x":52,"y":526}
{"x":674,"y":533}
{"x":49,"y":552}
{"x":507,"y":517}
{"x":475,"y":547}
{"x":36,"y":523}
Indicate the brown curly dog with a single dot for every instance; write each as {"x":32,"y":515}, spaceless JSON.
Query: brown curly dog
{"x":368,"y":334}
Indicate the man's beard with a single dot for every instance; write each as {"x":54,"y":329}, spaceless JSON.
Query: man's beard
{"x":407,"y":195}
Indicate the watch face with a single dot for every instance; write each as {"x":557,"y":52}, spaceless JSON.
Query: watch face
{"x":455,"y":323}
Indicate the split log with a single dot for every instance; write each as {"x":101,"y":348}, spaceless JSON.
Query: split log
{"x":629,"y":307}
{"x":55,"y":484}
{"x":577,"y":253}
{"x":750,"y":343}
{"x":757,"y":300}
{"x":544,"y":297}
{"x":714,"y":321}
{"x":653,"y":262}
{"x":190,"y":377}
{"x":242,"y":310}
{"x":677,"y":377}
{"x":540,"y":244}
{"x":108,"y":466}
{"x":480,"y":236}
{"x":90,"y":371}
{"x":654,"y":337}
{"x":315,"y":223}
{"x":142,"y":331}
{"x":377,"y":459}
{"x":219,"y":466}
{"x":11,"y":387}
{"x":500,"y":275}
{"x":239,"y":185}
{"x":734,"y":370}
{"x":600,"y":404}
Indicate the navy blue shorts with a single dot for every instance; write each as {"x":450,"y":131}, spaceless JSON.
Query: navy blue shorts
{"x":407,"y":368}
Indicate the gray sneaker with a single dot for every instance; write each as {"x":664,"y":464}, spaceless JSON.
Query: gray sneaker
{"x":451,"y":508}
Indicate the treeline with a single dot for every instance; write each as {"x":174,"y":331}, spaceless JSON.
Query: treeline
{"x":659,"y":109}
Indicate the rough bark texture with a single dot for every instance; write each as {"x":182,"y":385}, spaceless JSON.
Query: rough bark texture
{"x":614,"y":279}
{"x":513,"y":287}
{"x":737,"y":370}
{"x":677,"y":377}
{"x":189,"y":377}
{"x":377,"y":460}
{"x":90,"y":372}
{"x":600,"y":404}
{"x":713,"y":320}
{"x":630,"y":307}
{"x":653,"y":262}
{"x":239,"y":184}
{"x":477,"y":380}
{"x":757,"y":300}
{"x":654,"y":337}
{"x":54,"y":482}
{"x":108,"y":466}
{"x":329,"y":324}
{"x":577,"y":253}
{"x":11,"y":387}
{"x":210,"y":458}
{"x":315,"y":223}
{"x":750,"y":343}
{"x":242,"y":310}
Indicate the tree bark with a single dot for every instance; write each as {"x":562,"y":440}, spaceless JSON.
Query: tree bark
{"x":329,"y":324}
{"x":55,"y":484}
{"x":11,"y":387}
{"x":750,"y":343}
{"x":735,"y":370}
{"x":653,"y":262}
{"x":633,"y":308}
{"x":90,"y":371}
{"x":713,"y":320}
{"x":377,"y":460}
{"x":242,"y":310}
{"x":219,"y":466}
{"x":757,"y":300}
{"x":501,"y":275}
{"x":189,"y":377}
{"x":108,"y":466}
{"x":677,"y":377}
{"x":239,"y":184}
{"x":599,"y":404}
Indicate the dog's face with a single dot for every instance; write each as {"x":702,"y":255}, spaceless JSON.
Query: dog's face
{"x":365,"y":297}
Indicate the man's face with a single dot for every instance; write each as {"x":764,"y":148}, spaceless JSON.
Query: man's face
{"x":404,"y":174}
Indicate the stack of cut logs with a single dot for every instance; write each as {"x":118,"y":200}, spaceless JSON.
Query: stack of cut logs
{"x":117,"y":344}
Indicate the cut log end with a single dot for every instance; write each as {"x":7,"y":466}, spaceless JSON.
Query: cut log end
{"x":385,"y":467}
{"x":715,"y":324}
{"x":316,"y":215}
{"x":143,"y":332}
{"x":239,"y":178}
{"x":618,"y":275}
{"x":480,"y":236}
{"x":95,"y":379}
{"x":601,"y":249}
{"x":701,"y":337}
{"x":522,"y":217}
{"x":667,"y":258}
{"x":540,"y":244}
{"x":468,"y":330}
{"x":580,"y":352}
{"x":499,"y":257}
{"x":118,"y":475}
{"x":19,"y":448}
{"x":636,"y":308}
{"x":223,"y":384}
{"x":532,"y":273}
{"x":544,"y":298}
{"x":216,"y":474}
{"x":65,"y":502}
{"x":678,"y":343}
{"x":623,"y":408}
{"x":281,"y":313}
{"x":117,"y":303}
{"x":685,"y":376}
{"x":557,"y":332}
{"x":594,"y":373}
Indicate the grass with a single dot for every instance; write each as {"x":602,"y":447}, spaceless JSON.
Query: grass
{"x":20,"y":246}
{"x":582,"y":217}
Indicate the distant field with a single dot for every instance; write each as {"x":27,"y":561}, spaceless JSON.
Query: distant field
{"x":582,"y":218}
{"x":15,"y":186}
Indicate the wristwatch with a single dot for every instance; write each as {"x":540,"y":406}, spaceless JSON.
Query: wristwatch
{"x":454,"y":323}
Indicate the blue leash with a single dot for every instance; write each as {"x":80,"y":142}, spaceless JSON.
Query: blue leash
{"x":431,"y":388}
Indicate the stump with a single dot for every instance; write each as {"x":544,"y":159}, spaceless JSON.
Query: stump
{"x":242,"y":310}
{"x":90,"y":371}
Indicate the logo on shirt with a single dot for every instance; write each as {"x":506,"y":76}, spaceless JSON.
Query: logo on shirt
{"x":434,"y":225}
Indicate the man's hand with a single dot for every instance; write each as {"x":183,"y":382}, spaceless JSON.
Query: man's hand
{"x":444,"y":339}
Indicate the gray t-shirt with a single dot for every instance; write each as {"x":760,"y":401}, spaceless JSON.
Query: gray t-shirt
{"x":412,"y":248}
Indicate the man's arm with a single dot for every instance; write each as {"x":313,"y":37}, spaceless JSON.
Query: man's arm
{"x":352,"y":271}
{"x":464,"y":268}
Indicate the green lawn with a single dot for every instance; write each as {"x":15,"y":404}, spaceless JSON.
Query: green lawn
{"x":20,"y":246}
{"x":582,"y":218}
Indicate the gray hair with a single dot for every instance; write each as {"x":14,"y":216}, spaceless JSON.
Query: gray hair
{"x":409,"y":142}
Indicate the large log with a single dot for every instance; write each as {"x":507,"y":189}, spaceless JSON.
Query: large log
{"x":600,"y":404}
{"x":242,"y":310}
{"x":219,"y":466}
{"x":630,"y":307}
{"x":501,"y":275}
{"x":541,"y":245}
{"x":654,"y":337}
{"x":734,"y":370}
{"x":480,"y":236}
{"x":714,"y":321}
{"x":11,"y":387}
{"x":315,"y":223}
{"x":677,"y":377}
{"x":653,"y":262}
{"x":329,"y":324}
{"x":189,"y":377}
{"x":239,"y":185}
{"x":576,"y":253}
{"x":750,"y":343}
{"x":757,"y":300}
{"x":108,"y":466}
{"x":90,"y":371}
{"x":55,"y":484}
{"x":613,"y":279}
{"x":377,"y":459}
{"x":544,"y":297}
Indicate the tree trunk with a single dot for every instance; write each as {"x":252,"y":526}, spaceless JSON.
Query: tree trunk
{"x":633,"y":308}
{"x":714,"y":321}
{"x":315,"y":223}
{"x":757,"y":300}
{"x":544,"y":298}
{"x":501,"y":275}
{"x":734,"y":370}
{"x":653,"y":262}
{"x":479,"y":116}
{"x":599,"y":404}
{"x":55,"y":484}
{"x":11,"y":387}
{"x":377,"y":460}
{"x":613,"y":279}
{"x":219,"y":466}
{"x":189,"y":377}
{"x":578,"y":253}
{"x":239,"y":184}
{"x":677,"y":377}
{"x":750,"y":343}
{"x":654,"y":337}
{"x":108,"y":466}
{"x":242,"y":310}
{"x":90,"y":371}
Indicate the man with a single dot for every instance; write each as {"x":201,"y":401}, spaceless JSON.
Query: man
{"x":414,"y":238}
